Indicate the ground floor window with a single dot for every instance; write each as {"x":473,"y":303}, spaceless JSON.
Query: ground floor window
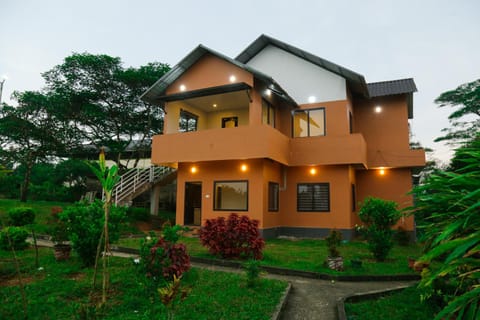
{"x":273,"y":192}
{"x":313,"y":197}
{"x":231,"y":195}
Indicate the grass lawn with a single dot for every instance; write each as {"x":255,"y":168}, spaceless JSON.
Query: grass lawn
{"x":310,"y":254}
{"x":403,"y":305}
{"x":42,"y":210}
{"x":58,"y":291}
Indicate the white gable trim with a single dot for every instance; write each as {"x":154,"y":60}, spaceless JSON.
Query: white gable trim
{"x":300,"y":78}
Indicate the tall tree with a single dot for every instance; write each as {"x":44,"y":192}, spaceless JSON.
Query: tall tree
{"x":28,"y":133}
{"x":465,"y":120}
{"x":99,"y":101}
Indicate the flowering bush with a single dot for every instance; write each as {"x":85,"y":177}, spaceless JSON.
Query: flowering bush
{"x":235,"y":237}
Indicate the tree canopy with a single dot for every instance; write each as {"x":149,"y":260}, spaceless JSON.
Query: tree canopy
{"x":28,"y":133}
{"x":465,"y":120}
{"x":89,"y":102}
{"x":99,"y":102}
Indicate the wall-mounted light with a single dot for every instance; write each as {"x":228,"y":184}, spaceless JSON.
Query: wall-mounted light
{"x":183,"y":87}
{"x":232,"y":78}
{"x":243,"y":167}
{"x":268,"y":92}
{"x":214,"y":105}
{"x":313,"y":171}
{"x":193,"y":169}
{"x":381,"y":171}
{"x":378,"y":109}
{"x":312,"y":99}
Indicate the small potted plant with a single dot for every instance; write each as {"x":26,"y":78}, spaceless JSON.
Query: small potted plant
{"x":59,"y":236}
{"x":334,"y":260}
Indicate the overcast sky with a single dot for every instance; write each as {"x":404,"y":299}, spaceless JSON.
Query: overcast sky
{"x":435,"y":42}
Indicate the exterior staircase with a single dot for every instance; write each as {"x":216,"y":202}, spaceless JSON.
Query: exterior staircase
{"x":136,"y":181}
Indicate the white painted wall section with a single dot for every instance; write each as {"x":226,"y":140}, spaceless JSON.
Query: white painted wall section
{"x":300,"y":78}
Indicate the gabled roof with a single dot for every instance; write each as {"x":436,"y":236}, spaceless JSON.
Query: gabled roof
{"x":394,"y":87}
{"x":356,"y":81}
{"x":388,"y":88}
{"x":158,"y":88}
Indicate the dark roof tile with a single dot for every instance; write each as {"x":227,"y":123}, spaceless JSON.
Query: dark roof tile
{"x":393,"y":87}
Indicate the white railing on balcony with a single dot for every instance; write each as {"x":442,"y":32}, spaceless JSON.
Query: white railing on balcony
{"x":136,"y":181}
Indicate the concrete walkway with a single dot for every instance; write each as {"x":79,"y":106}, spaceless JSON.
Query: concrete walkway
{"x":312,"y":299}
{"x":309,"y":299}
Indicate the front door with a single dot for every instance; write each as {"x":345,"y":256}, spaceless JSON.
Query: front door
{"x":193,"y":203}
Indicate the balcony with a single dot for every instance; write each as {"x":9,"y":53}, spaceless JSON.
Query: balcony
{"x":247,"y":142}
{"x":327,"y":150}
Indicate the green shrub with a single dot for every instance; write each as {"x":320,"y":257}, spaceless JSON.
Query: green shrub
{"x":334,"y":240}
{"x":379,"y":216}
{"x":252,"y":271}
{"x":17,"y":235}
{"x":21,"y":216}
{"x":85,"y":224}
{"x":138,"y":214}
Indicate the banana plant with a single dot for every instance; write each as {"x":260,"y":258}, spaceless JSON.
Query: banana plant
{"x":108,"y":177}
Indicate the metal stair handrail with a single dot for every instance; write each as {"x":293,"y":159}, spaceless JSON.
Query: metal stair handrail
{"x":136,"y":179}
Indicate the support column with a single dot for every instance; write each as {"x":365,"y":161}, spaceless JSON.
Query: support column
{"x":154,"y":199}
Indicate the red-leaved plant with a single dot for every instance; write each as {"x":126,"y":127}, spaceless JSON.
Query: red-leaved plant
{"x":234,"y":237}
{"x":167,"y":259}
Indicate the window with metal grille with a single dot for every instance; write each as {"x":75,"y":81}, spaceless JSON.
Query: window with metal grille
{"x":313,"y":197}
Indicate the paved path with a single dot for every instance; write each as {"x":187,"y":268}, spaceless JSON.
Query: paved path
{"x":312,"y":299}
{"x":309,"y":299}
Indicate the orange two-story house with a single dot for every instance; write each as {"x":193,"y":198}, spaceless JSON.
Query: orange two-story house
{"x":283,"y":136}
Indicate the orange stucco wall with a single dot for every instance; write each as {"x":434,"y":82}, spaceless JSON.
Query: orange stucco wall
{"x":394,"y":185}
{"x":209,"y":71}
{"x":386,"y":133}
{"x":208,"y":172}
{"x":339,"y":215}
{"x":387,"y":130}
{"x":336,"y":116}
